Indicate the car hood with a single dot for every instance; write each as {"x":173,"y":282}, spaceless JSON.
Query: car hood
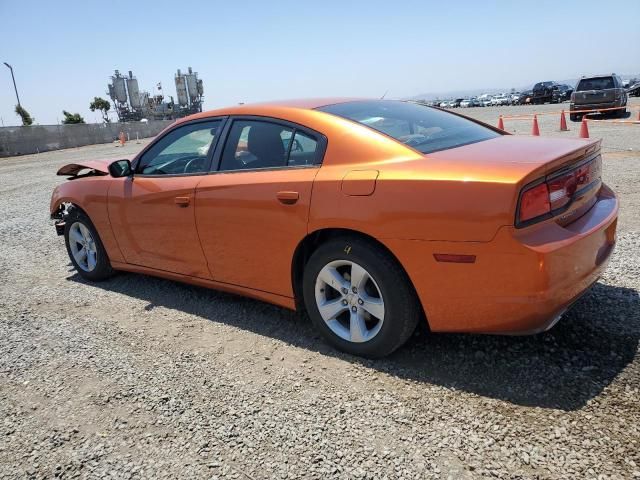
{"x":100,"y":166}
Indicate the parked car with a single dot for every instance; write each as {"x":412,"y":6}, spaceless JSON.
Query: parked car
{"x":484,"y":100}
{"x":514,"y":98}
{"x":417,"y":214}
{"x":469,"y":102}
{"x":525,"y":97}
{"x":599,"y":92}
{"x":445,"y":104}
{"x":542,"y":92}
{"x":634,"y":90}
{"x":501,"y":99}
{"x":561,"y":93}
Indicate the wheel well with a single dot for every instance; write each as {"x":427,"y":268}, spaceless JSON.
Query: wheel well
{"x":73,"y":206}
{"x":311,"y":242}
{"x":64,"y":208}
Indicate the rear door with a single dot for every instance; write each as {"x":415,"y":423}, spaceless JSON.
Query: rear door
{"x":153,"y":210}
{"x":252,"y":210}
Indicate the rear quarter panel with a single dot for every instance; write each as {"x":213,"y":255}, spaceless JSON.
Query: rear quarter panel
{"x":411,"y":205}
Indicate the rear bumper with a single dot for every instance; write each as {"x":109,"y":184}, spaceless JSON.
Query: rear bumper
{"x":596,"y":106}
{"x":522,"y":281}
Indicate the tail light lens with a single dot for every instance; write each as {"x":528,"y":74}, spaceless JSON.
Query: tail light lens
{"x":573,"y":97}
{"x":554,"y":193}
{"x":534,"y":202}
{"x":561,"y":189}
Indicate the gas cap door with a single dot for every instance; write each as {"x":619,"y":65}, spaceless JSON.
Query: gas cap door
{"x":359,"y":183}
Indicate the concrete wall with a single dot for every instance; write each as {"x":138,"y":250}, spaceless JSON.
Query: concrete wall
{"x":42,"y":138}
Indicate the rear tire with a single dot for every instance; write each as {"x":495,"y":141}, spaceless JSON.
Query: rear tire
{"x":85,"y":249}
{"x":370,"y":317}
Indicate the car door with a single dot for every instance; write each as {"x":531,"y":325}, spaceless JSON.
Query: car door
{"x":253,"y":210}
{"x":152,"y":211}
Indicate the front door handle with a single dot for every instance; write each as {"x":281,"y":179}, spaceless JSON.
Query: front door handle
{"x":288,"y":197}
{"x":182,"y":201}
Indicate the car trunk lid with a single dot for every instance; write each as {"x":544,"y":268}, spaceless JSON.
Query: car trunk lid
{"x":521,"y":161}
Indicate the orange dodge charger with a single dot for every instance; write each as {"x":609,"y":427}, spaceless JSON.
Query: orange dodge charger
{"x":372,"y":215}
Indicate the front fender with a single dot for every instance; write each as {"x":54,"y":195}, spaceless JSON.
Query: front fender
{"x":91,"y":195}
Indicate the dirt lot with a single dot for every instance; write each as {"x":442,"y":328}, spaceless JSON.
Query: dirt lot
{"x":141,"y":377}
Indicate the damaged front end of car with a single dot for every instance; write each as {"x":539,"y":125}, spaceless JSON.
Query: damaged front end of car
{"x":59,"y":216}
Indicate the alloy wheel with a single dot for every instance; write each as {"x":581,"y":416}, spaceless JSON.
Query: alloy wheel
{"x":83,"y":246}
{"x":349,"y":301}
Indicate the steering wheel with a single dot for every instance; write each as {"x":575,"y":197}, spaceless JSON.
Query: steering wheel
{"x":194,"y":159}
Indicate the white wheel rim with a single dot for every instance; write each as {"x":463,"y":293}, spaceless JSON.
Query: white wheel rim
{"x":349,"y":301}
{"x":83,"y":246}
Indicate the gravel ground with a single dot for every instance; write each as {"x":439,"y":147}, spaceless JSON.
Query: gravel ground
{"x":138,"y":377}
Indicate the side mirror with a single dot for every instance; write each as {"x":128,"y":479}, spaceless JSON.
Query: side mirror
{"x":120,"y":168}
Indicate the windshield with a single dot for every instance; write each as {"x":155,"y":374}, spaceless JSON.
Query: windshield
{"x":422,"y":128}
{"x":601,"y":83}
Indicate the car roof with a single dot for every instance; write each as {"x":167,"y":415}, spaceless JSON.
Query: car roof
{"x":251,"y":108}
{"x":597,"y":76}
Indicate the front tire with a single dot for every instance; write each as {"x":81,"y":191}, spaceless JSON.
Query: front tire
{"x":85,"y":249}
{"x":359,"y":297}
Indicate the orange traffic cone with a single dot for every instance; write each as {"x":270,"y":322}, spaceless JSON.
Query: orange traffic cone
{"x":121,"y":138}
{"x":535,"y":131}
{"x":500,"y":123}
{"x":639,"y":115}
{"x":563,"y":122}
{"x":584,"y":129}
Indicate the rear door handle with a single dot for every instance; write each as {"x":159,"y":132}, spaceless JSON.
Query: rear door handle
{"x":182,"y":201}
{"x":288,"y":197}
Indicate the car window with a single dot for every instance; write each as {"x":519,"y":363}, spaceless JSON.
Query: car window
{"x":184,"y":150}
{"x":303,"y":150}
{"x":255,"y":144}
{"x":423,"y":128}
{"x":599,"y":83}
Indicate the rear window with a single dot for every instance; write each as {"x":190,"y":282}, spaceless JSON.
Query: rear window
{"x":599,"y":83}
{"x":423,"y":128}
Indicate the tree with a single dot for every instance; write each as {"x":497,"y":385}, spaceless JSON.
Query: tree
{"x":71,"y":118}
{"x":26,"y":118}
{"x":103,"y":105}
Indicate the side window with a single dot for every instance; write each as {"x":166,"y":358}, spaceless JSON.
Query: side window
{"x":303,"y":150}
{"x":182,"y":151}
{"x":254,"y":144}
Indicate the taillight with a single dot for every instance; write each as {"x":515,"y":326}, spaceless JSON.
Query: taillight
{"x":573,"y":97}
{"x":554,"y":193}
{"x":534,"y":202}
{"x":561,"y":189}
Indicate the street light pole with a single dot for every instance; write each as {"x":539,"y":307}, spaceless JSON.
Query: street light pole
{"x":14,"y":81}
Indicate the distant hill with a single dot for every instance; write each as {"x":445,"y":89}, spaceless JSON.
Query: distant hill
{"x":479,"y":91}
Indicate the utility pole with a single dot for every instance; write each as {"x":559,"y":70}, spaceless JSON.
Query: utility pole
{"x":14,"y":81}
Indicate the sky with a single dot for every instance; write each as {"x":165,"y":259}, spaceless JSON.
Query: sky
{"x":63,"y":52}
